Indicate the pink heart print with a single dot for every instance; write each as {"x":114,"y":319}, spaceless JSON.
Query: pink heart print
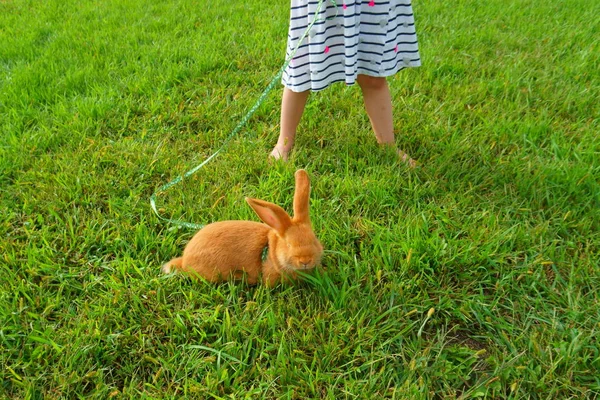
{"x":326,"y":49}
{"x":372,"y":3}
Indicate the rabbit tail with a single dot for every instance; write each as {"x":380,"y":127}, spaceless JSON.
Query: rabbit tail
{"x":173,"y":265}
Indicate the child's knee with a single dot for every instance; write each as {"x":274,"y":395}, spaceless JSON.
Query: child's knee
{"x":367,"y":82}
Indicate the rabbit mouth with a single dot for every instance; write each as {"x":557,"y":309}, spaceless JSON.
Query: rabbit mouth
{"x":293,"y":268}
{"x":304,"y":266}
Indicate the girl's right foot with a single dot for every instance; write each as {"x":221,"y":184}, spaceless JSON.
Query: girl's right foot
{"x":282,"y":149}
{"x":280,"y":153}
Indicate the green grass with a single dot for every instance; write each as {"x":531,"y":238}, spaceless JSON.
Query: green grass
{"x":103,"y":102}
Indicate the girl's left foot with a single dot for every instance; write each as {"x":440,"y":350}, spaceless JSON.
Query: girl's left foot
{"x":405,"y":158}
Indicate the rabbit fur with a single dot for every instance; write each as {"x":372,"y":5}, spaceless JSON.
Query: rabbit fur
{"x":273,"y":251}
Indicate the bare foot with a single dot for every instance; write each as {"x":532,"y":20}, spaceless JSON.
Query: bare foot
{"x":280,"y":153}
{"x":405,"y":158}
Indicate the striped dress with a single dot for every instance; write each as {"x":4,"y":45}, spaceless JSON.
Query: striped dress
{"x":349,"y":37}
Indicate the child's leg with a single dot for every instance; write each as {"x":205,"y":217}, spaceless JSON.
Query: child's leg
{"x":292,"y":107}
{"x":378,"y":103}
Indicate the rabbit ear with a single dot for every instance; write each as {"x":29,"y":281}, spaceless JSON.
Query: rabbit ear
{"x":301,"y":196}
{"x":271,"y":214}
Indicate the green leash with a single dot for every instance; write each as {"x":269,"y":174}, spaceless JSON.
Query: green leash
{"x":235,"y":130}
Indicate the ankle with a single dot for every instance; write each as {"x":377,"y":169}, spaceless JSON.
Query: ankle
{"x":285,"y":142}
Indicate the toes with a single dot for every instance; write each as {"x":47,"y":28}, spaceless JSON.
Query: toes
{"x":405,"y":158}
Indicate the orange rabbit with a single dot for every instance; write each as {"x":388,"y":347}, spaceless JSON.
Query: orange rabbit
{"x":273,"y":251}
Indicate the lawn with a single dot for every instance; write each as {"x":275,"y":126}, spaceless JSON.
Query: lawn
{"x":475,"y":275}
